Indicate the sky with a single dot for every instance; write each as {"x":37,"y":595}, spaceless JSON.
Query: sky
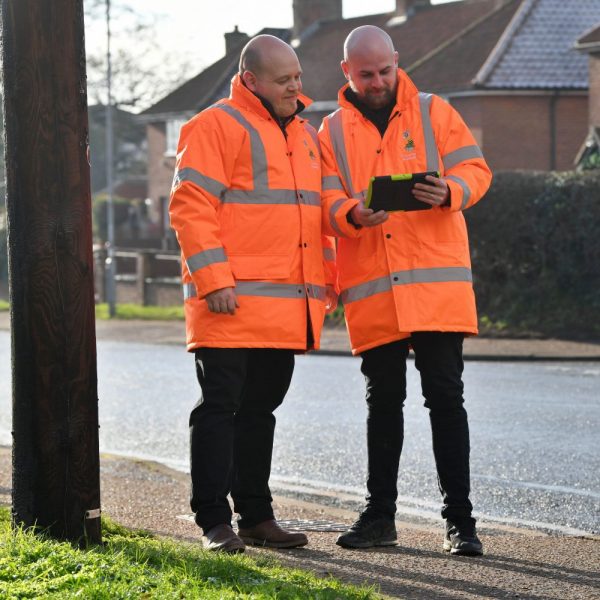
{"x":195,"y":28}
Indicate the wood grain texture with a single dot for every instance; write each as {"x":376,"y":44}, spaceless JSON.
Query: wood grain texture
{"x":55,"y":399}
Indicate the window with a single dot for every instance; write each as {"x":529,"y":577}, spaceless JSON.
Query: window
{"x":173,"y":128}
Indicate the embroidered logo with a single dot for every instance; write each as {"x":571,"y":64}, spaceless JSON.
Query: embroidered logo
{"x":310,"y":152}
{"x":315,"y":163}
{"x":410,"y":144}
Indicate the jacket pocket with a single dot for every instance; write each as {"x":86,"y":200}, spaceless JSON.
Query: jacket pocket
{"x":260,"y":266}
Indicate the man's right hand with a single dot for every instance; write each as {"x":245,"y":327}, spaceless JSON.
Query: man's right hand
{"x":222,"y":301}
{"x":366,"y":217}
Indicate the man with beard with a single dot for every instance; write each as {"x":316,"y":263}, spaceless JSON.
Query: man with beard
{"x":405,"y":277}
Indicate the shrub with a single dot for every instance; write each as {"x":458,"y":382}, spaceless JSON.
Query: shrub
{"x":536,"y":253}
{"x":100,"y":214}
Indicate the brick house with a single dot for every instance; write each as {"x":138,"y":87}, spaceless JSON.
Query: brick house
{"x":589,"y":44}
{"x":508,"y":66}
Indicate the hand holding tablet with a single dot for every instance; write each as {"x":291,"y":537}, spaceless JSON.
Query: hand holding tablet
{"x":395,"y":192}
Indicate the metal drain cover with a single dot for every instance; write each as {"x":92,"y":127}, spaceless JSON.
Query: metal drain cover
{"x":312,"y":525}
{"x":294,"y":524}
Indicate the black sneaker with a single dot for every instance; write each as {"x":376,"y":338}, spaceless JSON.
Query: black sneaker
{"x":368,"y":531}
{"x":461,"y":538}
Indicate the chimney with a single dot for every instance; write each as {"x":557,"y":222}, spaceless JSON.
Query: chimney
{"x":308,"y":12}
{"x":407,"y":8}
{"x":234,"y":39}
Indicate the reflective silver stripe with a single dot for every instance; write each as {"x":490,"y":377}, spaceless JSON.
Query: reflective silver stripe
{"x":310,"y":198}
{"x":328,"y":254}
{"x":267,"y":289}
{"x":364,"y":290}
{"x":189,"y":291}
{"x":205,"y":258}
{"x":212,"y":186}
{"x":264,"y":196}
{"x":261,"y":194}
{"x":259,"y":156}
{"x":465,"y":188}
{"x":332,"y":212}
{"x":336,"y":134}
{"x":313,"y":134}
{"x":316,"y":291}
{"x":460,"y":155}
{"x":384,"y":284}
{"x":275,"y":290}
{"x":332,"y":182}
{"x":435,"y":275}
{"x":430,"y":145}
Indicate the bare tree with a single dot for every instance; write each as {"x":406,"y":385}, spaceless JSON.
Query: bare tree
{"x":142,"y":72}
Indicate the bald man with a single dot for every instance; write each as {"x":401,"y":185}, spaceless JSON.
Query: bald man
{"x":405,"y":276}
{"x":246,"y":209}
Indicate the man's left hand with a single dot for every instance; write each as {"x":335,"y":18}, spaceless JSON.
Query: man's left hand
{"x":436,"y":194}
{"x":331,"y":298}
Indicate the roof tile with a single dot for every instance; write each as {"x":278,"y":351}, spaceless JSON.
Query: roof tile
{"x":537,"y":52}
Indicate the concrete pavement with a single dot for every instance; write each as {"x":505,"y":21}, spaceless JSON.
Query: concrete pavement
{"x":519,"y":563}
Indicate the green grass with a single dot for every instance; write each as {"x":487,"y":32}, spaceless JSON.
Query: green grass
{"x":165,"y":313}
{"x":134,"y":564}
{"x":136,"y":311}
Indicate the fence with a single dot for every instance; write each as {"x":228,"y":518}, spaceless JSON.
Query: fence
{"x":147,"y":277}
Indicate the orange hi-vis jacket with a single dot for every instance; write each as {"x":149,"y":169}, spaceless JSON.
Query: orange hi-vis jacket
{"x":413,"y":272}
{"x":246,"y":208}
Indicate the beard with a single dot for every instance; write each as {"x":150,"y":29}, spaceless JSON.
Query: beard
{"x":383,"y":98}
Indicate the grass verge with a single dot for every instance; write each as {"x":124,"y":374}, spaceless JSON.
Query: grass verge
{"x":136,"y":311}
{"x":134,"y":564}
{"x":166,"y":313}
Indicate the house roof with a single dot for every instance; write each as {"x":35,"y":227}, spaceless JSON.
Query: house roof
{"x":454,"y":65}
{"x":450,"y":47}
{"x":536,"y":49}
{"x":210,"y":85}
{"x":418,"y":36}
{"x":321,"y":51}
{"x":590,"y":40}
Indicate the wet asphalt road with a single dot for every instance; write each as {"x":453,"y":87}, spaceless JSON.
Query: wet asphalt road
{"x":535,"y":440}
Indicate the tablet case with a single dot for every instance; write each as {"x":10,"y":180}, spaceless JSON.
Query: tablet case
{"x":394,"y":192}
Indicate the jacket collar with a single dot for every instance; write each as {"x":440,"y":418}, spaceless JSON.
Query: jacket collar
{"x":405,"y":93}
{"x":241,"y":95}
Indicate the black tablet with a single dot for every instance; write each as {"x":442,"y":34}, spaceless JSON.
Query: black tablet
{"x":394,"y":192}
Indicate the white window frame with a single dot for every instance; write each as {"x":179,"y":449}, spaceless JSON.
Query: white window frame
{"x":173,"y":127}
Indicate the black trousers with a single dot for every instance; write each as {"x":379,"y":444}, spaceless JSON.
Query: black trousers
{"x":231,"y":432}
{"x":438,"y":358}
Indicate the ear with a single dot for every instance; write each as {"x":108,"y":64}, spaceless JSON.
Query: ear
{"x":344,"y":66}
{"x":249,"y":79}
{"x":396,"y":59}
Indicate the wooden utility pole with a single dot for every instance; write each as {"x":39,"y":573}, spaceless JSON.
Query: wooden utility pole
{"x":56,"y":475}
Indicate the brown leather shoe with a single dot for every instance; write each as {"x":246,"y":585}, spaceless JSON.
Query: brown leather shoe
{"x":221,"y":538}
{"x":269,"y":534}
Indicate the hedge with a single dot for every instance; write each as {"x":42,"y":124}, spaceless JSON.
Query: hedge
{"x":535,"y":249}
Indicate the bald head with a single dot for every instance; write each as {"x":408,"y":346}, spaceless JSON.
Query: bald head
{"x":370,"y":65}
{"x":367,"y":40}
{"x":270,"y":69}
{"x":261,"y":50}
